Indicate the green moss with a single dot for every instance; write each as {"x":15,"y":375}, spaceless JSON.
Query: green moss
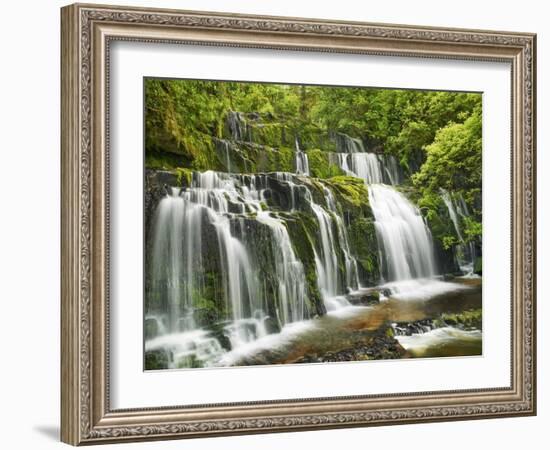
{"x":320,"y":166}
{"x":270,"y":134}
{"x":156,"y":360}
{"x":352,"y":194}
{"x":285,"y":160}
{"x":164,"y":161}
{"x":184,"y":176}
{"x":478,"y":266}
{"x":467,"y":319}
{"x":364,"y":245}
{"x":302,"y":229}
{"x":202,"y":150}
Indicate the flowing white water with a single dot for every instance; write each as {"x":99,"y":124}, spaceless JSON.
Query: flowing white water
{"x":355,"y":161}
{"x":301,"y":161}
{"x":352,"y":272}
{"x":419,"y":289}
{"x":223,"y":202}
{"x":404,"y":239}
{"x":290,"y":273}
{"x":225,"y":148}
{"x":238,"y":128}
{"x":423,"y":342}
{"x":329,"y":277}
{"x":465,"y":254}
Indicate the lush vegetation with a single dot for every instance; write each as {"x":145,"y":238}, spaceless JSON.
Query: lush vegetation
{"x":435,"y":136}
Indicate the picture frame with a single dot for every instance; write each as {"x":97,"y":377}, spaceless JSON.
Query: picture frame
{"x":87,"y":33}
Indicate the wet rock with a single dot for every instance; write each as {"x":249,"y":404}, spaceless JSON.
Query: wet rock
{"x":272,"y":325}
{"x":377,"y":345}
{"x":410,"y":328}
{"x":364,"y":297}
{"x":220,"y":334}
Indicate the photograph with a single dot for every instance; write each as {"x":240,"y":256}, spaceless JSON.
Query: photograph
{"x":280,"y":223}
{"x":308,"y":224}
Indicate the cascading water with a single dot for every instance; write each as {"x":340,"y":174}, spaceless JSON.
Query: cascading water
{"x":456,"y":206}
{"x":405,"y":243}
{"x":352,"y":272}
{"x":331,"y":245}
{"x":302,"y":163}
{"x":223,"y":202}
{"x":238,"y":128}
{"x":355,"y":161}
{"x":225,"y":148}
{"x":403,"y":237}
{"x":224,"y":207}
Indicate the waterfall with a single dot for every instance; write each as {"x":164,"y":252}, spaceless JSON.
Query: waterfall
{"x":371,"y":167}
{"x":223,"y":203}
{"x":456,"y":206}
{"x":301,"y":161}
{"x":292,"y":305}
{"x":224,"y":207}
{"x":225,"y":149}
{"x":326,"y":260}
{"x":347,"y":144}
{"x":332,"y":241}
{"x":404,"y":240}
{"x":238,"y":128}
{"x":352,"y":158}
{"x":352,"y":272}
{"x":178,"y":224}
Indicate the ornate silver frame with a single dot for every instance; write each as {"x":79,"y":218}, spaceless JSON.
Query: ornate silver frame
{"x":86,"y":32}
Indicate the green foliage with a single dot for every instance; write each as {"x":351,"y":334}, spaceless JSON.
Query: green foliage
{"x":472,"y":228}
{"x":434,"y":210}
{"x":454,"y":158}
{"x":453,"y":163}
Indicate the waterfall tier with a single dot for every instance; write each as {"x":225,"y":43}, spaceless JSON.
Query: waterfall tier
{"x":458,"y":211}
{"x":223,"y":245}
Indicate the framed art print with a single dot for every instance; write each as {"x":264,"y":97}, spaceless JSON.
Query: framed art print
{"x":278,"y":224}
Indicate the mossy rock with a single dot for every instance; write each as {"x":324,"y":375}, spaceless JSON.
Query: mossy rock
{"x":352,"y":194}
{"x":478,"y":266}
{"x":320,"y":165}
{"x":184,"y":177}
{"x":157,"y":359}
{"x":471,"y":319}
{"x":364,"y":245}
{"x":302,"y":229}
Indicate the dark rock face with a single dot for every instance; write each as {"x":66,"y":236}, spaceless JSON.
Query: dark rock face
{"x":157,"y":185}
{"x":446,"y":259}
